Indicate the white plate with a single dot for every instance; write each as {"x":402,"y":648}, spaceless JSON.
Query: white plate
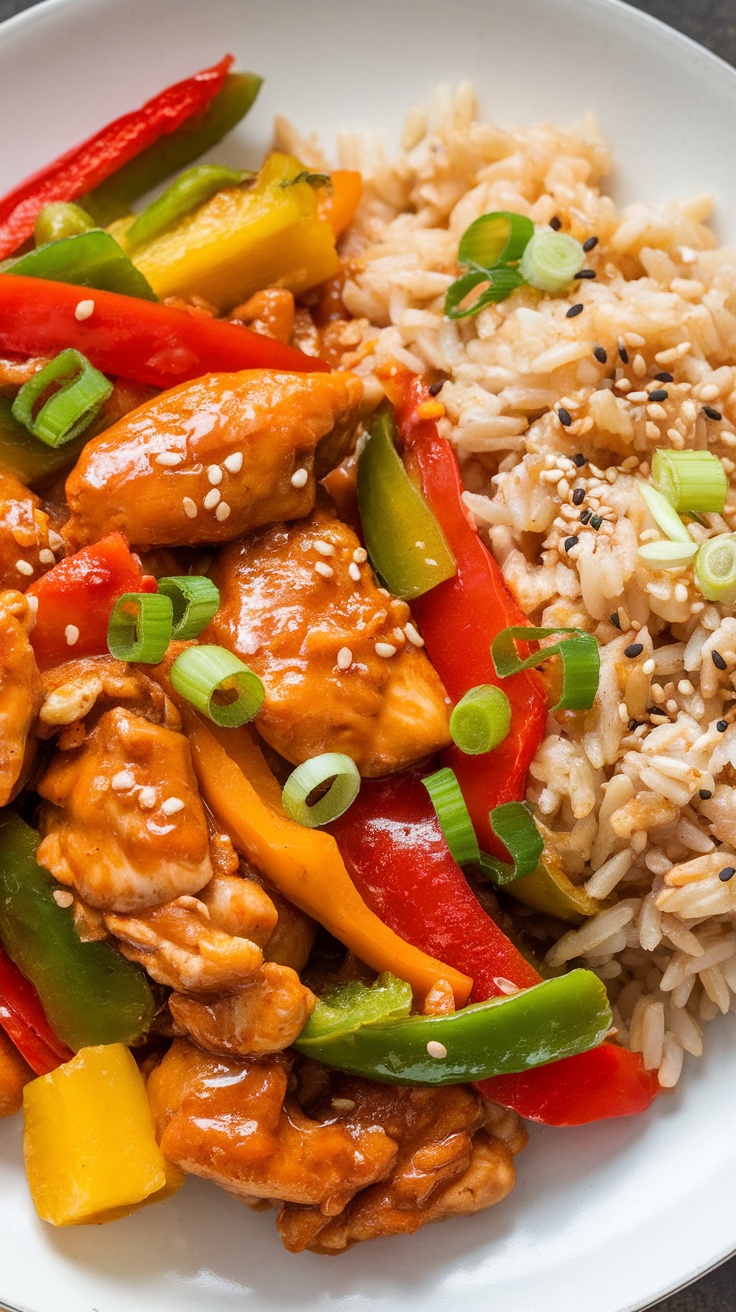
{"x":604,"y":1219}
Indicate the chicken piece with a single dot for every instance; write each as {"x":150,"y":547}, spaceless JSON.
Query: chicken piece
{"x":240,"y":906}
{"x":14,"y":1075}
{"x":233,"y":1122}
{"x":330,"y":648}
{"x":25,"y":549}
{"x":293,"y":938}
{"x":213,"y":459}
{"x":126,"y":827}
{"x":20,"y":691}
{"x":72,"y":690}
{"x":266,"y":1015}
{"x":454,"y":1157}
{"x":270,"y":312}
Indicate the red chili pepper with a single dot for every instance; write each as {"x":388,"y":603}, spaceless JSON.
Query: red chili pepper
{"x":80,"y":592}
{"x":24,"y":1021}
{"x":459,"y":620}
{"x":135,"y":339}
{"x":87,"y":165}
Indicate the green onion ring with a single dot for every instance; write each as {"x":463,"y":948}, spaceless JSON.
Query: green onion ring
{"x":72,"y":407}
{"x":579,"y":655}
{"x":315,"y":772}
{"x":453,"y":816}
{"x":481,"y":720}
{"x":513,"y":824}
{"x":195,"y":600}
{"x":140,"y":627}
{"x":199,"y":674}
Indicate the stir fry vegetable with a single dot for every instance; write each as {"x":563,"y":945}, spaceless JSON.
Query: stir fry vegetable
{"x":24,"y":1020}
{"x":85,"y":259}
{"x":70,"y":409}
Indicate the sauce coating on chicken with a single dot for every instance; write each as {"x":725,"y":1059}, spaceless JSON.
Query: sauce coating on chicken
{"x":20,"y":690}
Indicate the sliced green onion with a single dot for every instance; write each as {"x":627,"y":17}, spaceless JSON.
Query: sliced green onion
{"x":81,"y":392}
{"x":498,"y":238}
{"x":190,"y":190}
{"x":217,"y":683}
{"x":514,"y":825}
{"x":501,"y":283}
{"x":453,"y":816}
{"x":551,"y":260}
{"x":664,"y":514}
{"x":195,"y":600}
{"x":315,"y":773}
{"x":60,"y":219}
{"x":140,"y":627}
{"x":667,"y":555}
{"x":579,"y":656}
{"x":715,"y":568}
{"x":481,"y":720}
{"x":691,"y":480}
{"x":315,"y":180}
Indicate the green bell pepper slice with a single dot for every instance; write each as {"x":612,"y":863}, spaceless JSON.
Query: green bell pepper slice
{"x":114,"y":198}
{"x":89,"y":992}
{"x":87,"y":259}
{"x":60,"y":218}
{"x":406,"y":545}
{"x":552,"y":1020}
{"x":192,"y":189}
{"x":23,"y":455}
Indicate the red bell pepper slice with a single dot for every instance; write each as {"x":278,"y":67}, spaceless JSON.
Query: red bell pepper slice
{"x":145,"y":342}
{"x":459,"y":620}
{"x":81,"y":591}
{"x":85,"y":166}
{"x":24,"y":1021}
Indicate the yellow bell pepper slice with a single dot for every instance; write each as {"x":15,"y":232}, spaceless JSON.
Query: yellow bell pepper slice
{"x":242,"y":240}
{"x":89,"y":1145}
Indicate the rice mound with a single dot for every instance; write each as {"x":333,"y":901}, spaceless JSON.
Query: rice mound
{"x":640,"y":793}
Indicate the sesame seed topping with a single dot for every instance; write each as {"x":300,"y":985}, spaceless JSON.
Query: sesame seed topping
{"x":62,"y":897}
{"x":214,"y":475}
{"x":711,"y":412}
{"x":234,"y":463}
{"x":681,"y":592}
{"x":648,"y":666}
{"x":321,"y":567}
{"x":354,"y":572}
{"x":664,"y":377}
{"x":436,"y":1049}
{"x":586,"y":516}
{"x":658,"y":394}
{"x":190,"y":509}
{"x":622,"y":352}
{"x":505,"y":985}
{"x":615,"y":620}
{"x":172,"y":805}
{"x":638,"y":397}
{"x":671,"y":706}
{"x":84,"y":310}
{"x":585,"y":273}
{"x":595,"y":521}
{"x":726,"y":873}
{"x":299,"y":478}
{"x":56,"y":541}
{"x":578,"y":496}
{"x":718,"y":660}
{"x":212,"y":498}
{"x":147,"y":798}
{"x":344,"y":658}
{"x":71,"y":633}
{"x":571,"y":542}
{"x":705,"y":794}
{"x":23,"y":567}
{"x":413,"y":635}
{"x":574,"y":311}
{"x":385,"y":649}
{"x":360,"y":555}
{"x":122,"y":781}
{"x":169,"y":458}
{"x":436,"y":388}
{"x":579,"y":460}
{"x":634,"y":649}
{"x":685,"y":687}
{"x":324,"y":548}
{"x":343,"y":1104}
{"x":46,"y":556}
{"x":721,"y":725}
{"x":32,"y":604}
{"x":564,"y":417}
{"x":601,"y":354}
{"x":589,"y":244}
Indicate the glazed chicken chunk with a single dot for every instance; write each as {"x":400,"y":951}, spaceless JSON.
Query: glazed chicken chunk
{"x":212,"y":459}
{"x":20,"y":690}
{"x":27,"y":540}
{"x":336,"y":654}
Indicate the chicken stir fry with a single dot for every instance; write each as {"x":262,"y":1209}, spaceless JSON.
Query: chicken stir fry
{"x":20,"y":692}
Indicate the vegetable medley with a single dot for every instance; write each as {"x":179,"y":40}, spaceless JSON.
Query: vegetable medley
{"x":271,"y":901}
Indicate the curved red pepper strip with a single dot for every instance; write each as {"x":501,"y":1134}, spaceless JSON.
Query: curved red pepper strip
{"x":85,"y":166}
{"x":24,"y":1021}
{"x":459,"y":620}
{"x":127,"y":337}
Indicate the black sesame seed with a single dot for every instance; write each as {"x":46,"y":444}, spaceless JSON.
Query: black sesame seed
{"x":634,"y":724}
{"x":564,"y":417}
{"x":704,"y":794}
{"x":589,"y":244}
{"x":726,"y":873}
{"x":615,"y":620}
{"x":579,"y":460}
{"x":585,"y":273}
{"x":623,"y":353}
{"x":573,"y":311}
{"x":634,"y":649}
{"x":555,"y":223}
{"x":721,"y":725}
{"x":436,"y":388}
{"x":570,"y":543}
{"x":596,"y":521}
{"x":659,"y":394}
{"x":586,"y":516}
{"x":718,"y":660}
{"x":578,"y":496}
{"x":654,"y":710}
{"x":664,"y":377}
{"x":600,"y":354}
{"x":711,"y":412}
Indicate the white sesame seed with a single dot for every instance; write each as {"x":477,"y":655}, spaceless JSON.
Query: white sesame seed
{"x":47,"y":557}
{"x":399,"y":636}
{"x":299,"y":478}
{"x":190,"y":508}
{"x":637,"y":397}
{"x":436,"y":1049}
{"x":212,"y":498}
{"x":122,"y":781}
{"x":681,"y":593}
{"x":172,"y":805}
{"x":505,"y":985}
{"x":23,"y":567}
{"x":222,"y":512}
{"x":147,"y":798}
{"x":62,"y":897}
{"x":685,"y":687}
{"x":71,"y":633}
{"x":420,"y":545}
{"x":656,"y":411}
{"x":32,"y":604}
{"x":169,"y":459}
{"x":344,"y":658}
{"x":324,"y":548}
{"x":623,"y":713}
{"x":360,"y":555}
{"x":214,"y":475}
{"x":671,"y":706}
{"x":429,"y":561}
{"x":413,"y":635}
{"x":384,"y":592}
{"x":354,"y":572}
{"x":385,"y":649}
{"x":234,"y":463}
{"x":648,"y":667}
{"x":343,"y":1104}
{"x":325,"y":570}
{"x":56,"y":541}
{"x":650,"y":429}
{"x":84,"y":310}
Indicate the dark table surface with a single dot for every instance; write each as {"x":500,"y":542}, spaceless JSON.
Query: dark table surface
{"x":713,"y":23}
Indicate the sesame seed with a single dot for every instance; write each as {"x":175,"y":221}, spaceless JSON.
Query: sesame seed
{"x":585,"y":273}
{"x":721,"y":725}
{"x":71,"y":633}
{"x":664,"y":377}
{"x":214,"y":475}
{"x":574,"y":311}
{"x":685,"y":687}
{"x":147,"y":798}
{"x":222,"y":512}
{"x":84,"y":310}
{"x":344,"y":658}
{"x":505,"y":985}
{"x":565,"y":419}
{"x":705,"y":794}
{"x":47,"y":557}
{"x":589,"y":244}
{"x":354,"y":572}
{"x":324,"y":548}
{"x":32,"y":604}
{"x":681,"y":593}
{"x":413,"y":635}
{"x":212,"y":498}
{"x":726,"y":873}
{"x":172,"y":805}
{"x":385,"y":649}
{"x":601,"y":354}
{"x":634,"y":649}
{"x":360,"y":555}
{"x":555,"y":223}
{"x":718,"y":660}
{"x":615,"y":620}
{"x":56,"y":541}
{"x":648,"y":666}
{"x":436,"y":388}
{"x":23,"y":567}
{"x":595,"y":521}
{"x":62,"y":897}
{"x":622,"y":352}
{"x":578,"y":496}
{"x":190,"y":509}
{"x":586,"y":516}
{"x":711,"y":412}
{"x":169,"y":458}
{"x":571,"y":542}
{"x":579,"y":459}
{"x":299,"y":478}
{"x":638,"y":397}
{"x":436,"y":1049}
{"x":321,"y":567}
{"x":658,"y":394}
{"x":234,"y":463}
{"x":343,"y":1104}
{"x":122,"y":781}
{"x":671,"y":706}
